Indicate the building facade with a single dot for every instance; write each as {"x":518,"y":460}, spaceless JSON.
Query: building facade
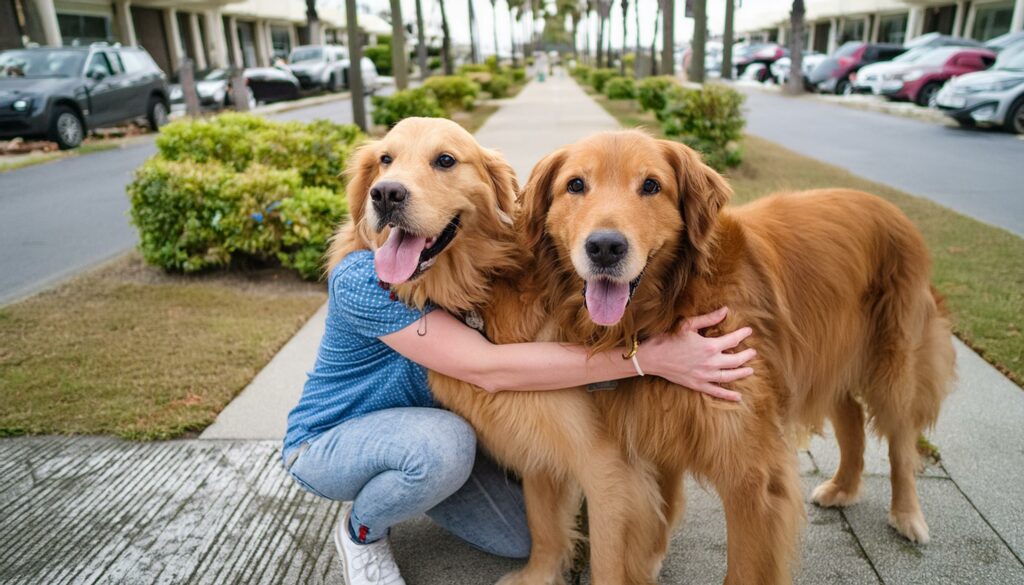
{"x":212,"y":33}
{"x":830,"y":23}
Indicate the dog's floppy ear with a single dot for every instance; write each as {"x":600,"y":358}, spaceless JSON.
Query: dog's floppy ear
{"x":702,"y":194}
{"x":504,"y":182}
{"x":536,"y":198}
{"x":361,"y":172}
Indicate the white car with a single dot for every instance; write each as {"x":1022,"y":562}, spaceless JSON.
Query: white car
{"x":326,"y":67}
{"x":990,"y":98}
{"x":780,"y":68}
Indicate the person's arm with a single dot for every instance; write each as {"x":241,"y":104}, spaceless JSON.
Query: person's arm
{"x":685,"y":358}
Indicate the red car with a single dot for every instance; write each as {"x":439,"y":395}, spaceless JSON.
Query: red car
{"x":920,"y":80}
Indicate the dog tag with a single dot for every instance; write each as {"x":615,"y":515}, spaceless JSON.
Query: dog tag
{"x":600,"y":386}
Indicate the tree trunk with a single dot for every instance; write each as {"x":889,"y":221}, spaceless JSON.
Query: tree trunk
{"x":421,"y":42}
{"x":355,"y":74}
{"x":796,"y":49}
{"x":446,"y":42}
{"x":399,"y":66}
{"x":727,"y":38}
{"x":600,"y":40}
{"x":636,"y":52}
{"x":313,"y":23}
{"x":512,"y":37}
{"x":474,"y":57}
{"x":668,"y":38}
{"x":494,"y":22}
{"x":654,"y":41}
{"x":622,"y":59}
{"x":700,"y":37}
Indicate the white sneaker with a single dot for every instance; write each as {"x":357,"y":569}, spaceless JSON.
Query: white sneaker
{"x":364,"y":564}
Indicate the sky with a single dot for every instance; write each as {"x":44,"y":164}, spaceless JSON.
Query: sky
{"x":458,"y":17}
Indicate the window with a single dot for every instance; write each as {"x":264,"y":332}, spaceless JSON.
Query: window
{"x":280,"y":41}
{"x":115,"y":62}
{"x":892,"y":28}
{"x":992,"y":21}
{"x":853,"y":30}
{"x":99,"y":63}
{"x":83,"y":29}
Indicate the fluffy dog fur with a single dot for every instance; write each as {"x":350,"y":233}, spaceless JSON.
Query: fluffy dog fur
{"x":835,"y":284}
{"x":552,"y":439}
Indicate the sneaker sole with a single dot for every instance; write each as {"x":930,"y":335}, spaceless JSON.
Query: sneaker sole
{"x":341,"y":551}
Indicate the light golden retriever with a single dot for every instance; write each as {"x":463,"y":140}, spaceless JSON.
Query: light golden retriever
{"x":439,"y":210}
{"x":835,"y":284}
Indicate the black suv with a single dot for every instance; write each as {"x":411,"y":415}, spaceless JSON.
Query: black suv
{"x":60,"y":93}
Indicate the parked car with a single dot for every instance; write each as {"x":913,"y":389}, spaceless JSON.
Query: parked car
{"x":833,"y":74}
{"x":935,"y":39}
{"x":764,"y":54}
{"x":781,"y":68}
{"x":920,"y":79}
{"x":61,"y":93}
{"x":869,"y":75}
{"x":1005,"y":41}
{"x":712,"y":58}
{"x":326,"y":67}
{"x":990,"y":98}
{"x":265,"y":85}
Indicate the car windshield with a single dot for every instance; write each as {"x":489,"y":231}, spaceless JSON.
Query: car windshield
{"x":1011,"y":59}
{"x":848,"y":49}
{"x":912,"y":55}
{"x":214,"y":75}
{"x":41,"y":63}
{"x":936,"y":57}
{"x":306,"y":54}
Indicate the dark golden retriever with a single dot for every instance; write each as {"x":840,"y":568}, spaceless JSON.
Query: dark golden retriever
{"x":835,"y":284}
{"x":438,"y":210}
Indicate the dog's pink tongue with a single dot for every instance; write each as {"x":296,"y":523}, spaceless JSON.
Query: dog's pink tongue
{"x":606,"y":300}
{"x":398,"y":258}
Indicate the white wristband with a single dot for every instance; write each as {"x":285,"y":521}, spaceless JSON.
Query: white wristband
{"x":636,"y":365}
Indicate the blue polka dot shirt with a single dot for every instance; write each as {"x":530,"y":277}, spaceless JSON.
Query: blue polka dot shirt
{"x":356,"y":372}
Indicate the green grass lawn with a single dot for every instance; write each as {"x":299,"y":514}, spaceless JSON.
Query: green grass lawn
{"x":978,"y":267}
{"x":132,"y":351}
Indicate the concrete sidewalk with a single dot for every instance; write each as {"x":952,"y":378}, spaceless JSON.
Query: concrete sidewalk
{"x":221,"y":509}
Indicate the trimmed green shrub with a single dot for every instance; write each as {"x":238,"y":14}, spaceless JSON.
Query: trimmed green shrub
{"x":380,"y":54}
{"x":472,"y":68}
{"x":240,"y":186}
{"x":408,"y":103}
{"x":708,"y":119}
{"x":492,"y":65}
{"x":620,"y":88}
{"x":434,"y":63}
{"x":497,"y":85}
{"x":582,"y":73}
{"x":598,"y":77}
{"x":650,"y":92}
{"x":518,"y":74}
{"x":453,"y":92}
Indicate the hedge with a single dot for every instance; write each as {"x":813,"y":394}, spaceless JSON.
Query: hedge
{"x":620,"y":88}
{"x":390,"y":110}
{"x":708,"y":119}
{"x":239,"y":186}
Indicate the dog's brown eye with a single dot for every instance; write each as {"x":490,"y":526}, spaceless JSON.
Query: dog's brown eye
{"x":385,"y":159}
{"x":651,"y":187}
{"x":445,"y":161}
{"x":576,"y":185}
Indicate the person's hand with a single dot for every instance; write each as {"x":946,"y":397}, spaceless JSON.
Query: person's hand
{"x":700,"y":363}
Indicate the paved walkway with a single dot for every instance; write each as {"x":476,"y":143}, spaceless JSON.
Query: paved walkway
{"x":221,"y":510}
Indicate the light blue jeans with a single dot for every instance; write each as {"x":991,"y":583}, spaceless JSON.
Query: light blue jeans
{"x":398,"y":463}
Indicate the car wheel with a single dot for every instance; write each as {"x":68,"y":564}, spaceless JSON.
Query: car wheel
{"x":66,"y":128}
{"x":926,"y":96}
{"x":332,"y":83}
{"x":844,"y":87}
{"x":1015,"y":117}
{"x":156,"y":113}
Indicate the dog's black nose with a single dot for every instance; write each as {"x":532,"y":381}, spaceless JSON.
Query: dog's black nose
{"x":388,"y":196}
{"x":606,"y":248}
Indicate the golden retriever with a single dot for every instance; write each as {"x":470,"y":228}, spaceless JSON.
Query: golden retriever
{"x":835,"y":284}
{"x":438,"y":209}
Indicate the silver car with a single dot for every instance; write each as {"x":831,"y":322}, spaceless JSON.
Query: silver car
{"x":989,"y":98}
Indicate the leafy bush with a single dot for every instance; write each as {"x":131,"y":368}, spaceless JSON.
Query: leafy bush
{"x":453,"y":92}
{"x":472,"y":68}
{"x":319,"y":150}
{"x":434,"y":63}
{"x":582,"y":73}
{"x":620,"y":88}
{"x":598,"y":77}
{"x":241,"y":186}
{"x":492,"y":65}
{"x":408,"y":103}
{"x":381,"y":56}
{"x":708,"y":119}
{"x":497,"y":85}
{"x":518,"y":74}
{"x":651,"y":92}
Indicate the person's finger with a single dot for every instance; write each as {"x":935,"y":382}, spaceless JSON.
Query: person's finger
{"x":704,"y":321}
{"x":719,"y":392}
{"x":728,"y":361}
{"x":736,"y":374}
{"x":731,"y":340}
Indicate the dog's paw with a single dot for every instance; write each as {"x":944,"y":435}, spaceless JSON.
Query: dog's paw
{"x":911,"y":525}
{"x":831,"y":495}
{"x":529,"y":577}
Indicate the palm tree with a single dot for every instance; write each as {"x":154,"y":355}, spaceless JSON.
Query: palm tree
{"x":622,"y":60}
{"x":494,"y":22}
{"x":399,"y":67}
{"x":796,"y":49}
{"x":654,"y":41}
{"x":421,"y":42}
{"x":569,"y":9}
{"x":668,"y":37}
{"x":700,"y":36}
{"x":636,"y":62}
{"x":727,"y":39}
{"x":446,"y":42}
{"x":515,"y":13}
{"x":604,"y":8}
{"x":473,"y":56}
